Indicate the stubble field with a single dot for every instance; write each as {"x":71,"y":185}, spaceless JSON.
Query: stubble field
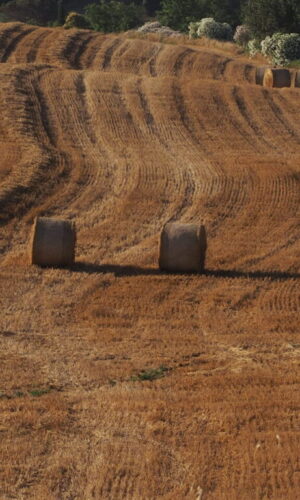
{"x":120,"y":135}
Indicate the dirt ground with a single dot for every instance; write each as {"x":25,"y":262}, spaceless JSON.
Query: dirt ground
{"x":118,"y":381}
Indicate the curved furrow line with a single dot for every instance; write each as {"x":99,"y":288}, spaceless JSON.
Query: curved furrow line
{"x":58,"y":47}
{"x":284,"y":190}
{"x":82,"y":48}
{"x":239,"y":72}
{"x":8,"y":31}
{"x":173,"y":129}
{"x":118,"y":58}
{"x":253,"y":105}
{"x":185,"y":117}
{"x":217,"y":187}
{"x":35,"y":43}
{"x":201,"y":63}
{"x":229,"y":121}
{"x":104,"y":58}
{"x":221,"y":68}
{"x":274,"y":256}
{"x":184,"y":62}
{"x":278,"y":193}
{"x":249,"y":73}
{"x":91,"y":51}
{"x":50,"y":48}
{"x":284,"y":128}
{"x":247,"y":110}
{"x":133,"y":57}
{"x":224,"y":207}
{"x":171,"y":60}
{"x":158,"y":182}
{"x":288,"y":102}
{"x":25,"y":46}
{"x":192,"y":156}
{"x":106,"y":108}
{"x":231,"y":190}
{"x":33,"y":176}
{"x":11,"y":47}
{"x":74,"y":48}
{"x":285,"y":297}
{"x":68,"y":119}
{"x":146,"y":184}
{"x":153,"y":60}
{"x":124,"y":136}
{"x":272,"y":203}
{"x":72,"y":43}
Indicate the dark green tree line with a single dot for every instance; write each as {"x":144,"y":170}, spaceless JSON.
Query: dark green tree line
{"x":266,"y":17}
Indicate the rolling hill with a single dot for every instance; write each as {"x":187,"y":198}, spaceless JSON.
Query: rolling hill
{"x":121,"y":135}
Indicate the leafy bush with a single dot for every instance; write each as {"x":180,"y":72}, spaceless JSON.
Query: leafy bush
{"x":242,"y":35}
{"x":193,"y":29}
{"x":253,"y":47}
{"x":111,"y":15}
{"x":210,"y":28}
{"x":75,"y":20}
{"x":281,"y":48}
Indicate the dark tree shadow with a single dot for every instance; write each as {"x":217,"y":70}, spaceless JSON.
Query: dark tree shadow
{"x":122,"y":271}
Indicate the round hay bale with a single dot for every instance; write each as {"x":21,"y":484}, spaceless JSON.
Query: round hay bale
{"x":53,"y":242}
{"x":259,"y":75}
{"x":182,"y":247}
{"x":297,"y":79}
{"x":277,"y":78}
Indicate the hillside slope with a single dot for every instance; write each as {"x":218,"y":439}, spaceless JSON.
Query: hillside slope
{"x":122,"y":135}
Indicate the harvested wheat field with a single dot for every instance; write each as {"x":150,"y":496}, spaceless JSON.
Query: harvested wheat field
{"x":119,"y":381}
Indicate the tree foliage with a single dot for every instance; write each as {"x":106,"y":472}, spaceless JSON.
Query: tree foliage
{"x":265,"y":17}
{"x":281,"y":48}
{"x":111,"y":16}
{"x":178,"y":14}
{"x":38,"y":12}
{"x":229,"y":11}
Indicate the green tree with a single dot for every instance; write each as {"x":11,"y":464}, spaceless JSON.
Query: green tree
{"x":265,"y":17}
{"x":38,"y":12}
{"x":110,"y":16}
{"x":229,"y":11}
{"x":179,"y":13}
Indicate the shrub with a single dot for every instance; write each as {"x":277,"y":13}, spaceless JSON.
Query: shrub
{"x":75,"y":20}
{"x":281,"y":48}
{"x":210,"y":28}
{"x":253,"y":47}
{"x":242,"y":35}
{"x":193,"y":29}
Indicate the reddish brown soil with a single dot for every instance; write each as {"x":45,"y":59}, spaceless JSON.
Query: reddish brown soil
{"x":122,"y":135}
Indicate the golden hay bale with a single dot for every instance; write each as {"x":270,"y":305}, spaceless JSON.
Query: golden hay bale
{"x":297,"y":79}
{"x":259,"y":75}
{"x":277,"y":78}
{"x":182,"y":247}
{"x":53,"y":242}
